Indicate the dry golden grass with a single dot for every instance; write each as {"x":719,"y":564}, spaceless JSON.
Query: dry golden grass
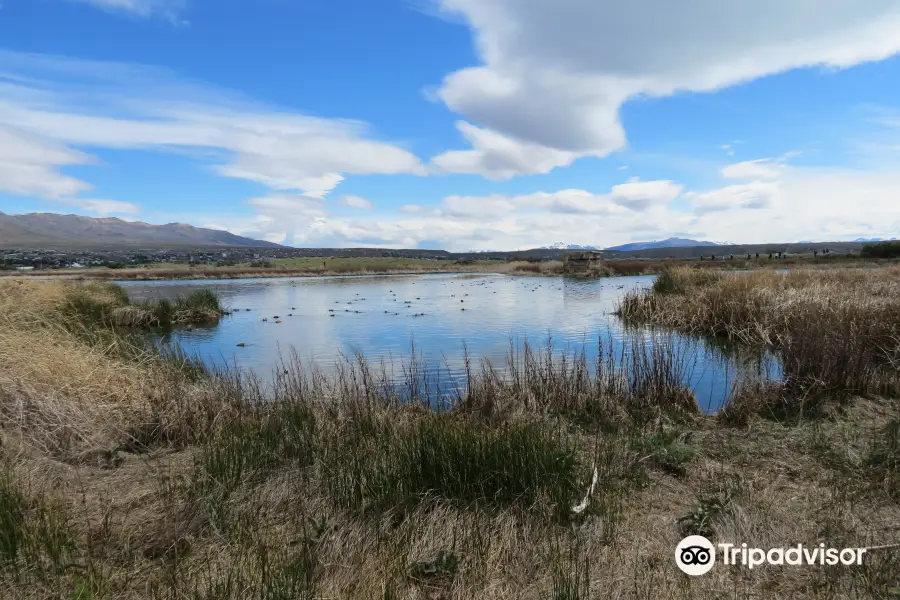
{"x":759,"y":306}
{"x":233,"y":493}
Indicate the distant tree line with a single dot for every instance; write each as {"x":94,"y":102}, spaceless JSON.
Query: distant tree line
{"x":881,"y":250}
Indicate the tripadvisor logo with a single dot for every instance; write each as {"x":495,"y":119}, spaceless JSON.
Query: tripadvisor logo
{"x":696,"y":555}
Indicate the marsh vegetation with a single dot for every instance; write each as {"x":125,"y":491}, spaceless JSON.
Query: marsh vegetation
{"x":134,"y":472}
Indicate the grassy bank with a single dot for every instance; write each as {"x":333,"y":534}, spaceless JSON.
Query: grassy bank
{"x":837,"y":331}
{"x":128,"y":473}
{"x":337,"y":266}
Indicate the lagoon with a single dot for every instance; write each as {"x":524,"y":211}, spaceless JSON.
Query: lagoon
{"x":436,"y":318}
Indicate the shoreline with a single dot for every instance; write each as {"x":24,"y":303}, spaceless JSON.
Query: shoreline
{"x":610,"y":268}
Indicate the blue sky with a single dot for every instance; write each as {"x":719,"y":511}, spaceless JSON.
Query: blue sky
{"x":461,"y":124}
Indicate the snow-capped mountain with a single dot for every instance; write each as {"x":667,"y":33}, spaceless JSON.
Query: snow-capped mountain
{"x":565,"y":246}
{"x":673,"y":242}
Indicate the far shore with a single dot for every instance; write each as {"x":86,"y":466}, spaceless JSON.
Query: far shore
{"x":334,"y":267}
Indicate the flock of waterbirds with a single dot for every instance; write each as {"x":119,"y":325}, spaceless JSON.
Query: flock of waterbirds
{"x":483,"y":283}
{"x":479,"y":289}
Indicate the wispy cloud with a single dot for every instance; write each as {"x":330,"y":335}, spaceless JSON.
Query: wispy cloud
{"x":168,"y":9}
{"x":105,"y":208}
{"x":54,"y":111}
{"x":355,"y":202}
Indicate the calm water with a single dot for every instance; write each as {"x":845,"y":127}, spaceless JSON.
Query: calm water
{"x":382,"y":316}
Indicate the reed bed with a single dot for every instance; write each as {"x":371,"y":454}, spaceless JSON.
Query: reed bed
{"x":546,"y":477}
{"x":837,"y":332}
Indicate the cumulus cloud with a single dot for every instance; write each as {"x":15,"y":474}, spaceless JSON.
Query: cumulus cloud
{"x":554,"y":74}
{"x":568,"y":201}
{"x":477,"y":207}
{"x":753,"y":195}
{"x":641,"y":195}
{"x":499,"y":157}
{"x":803,"y":203}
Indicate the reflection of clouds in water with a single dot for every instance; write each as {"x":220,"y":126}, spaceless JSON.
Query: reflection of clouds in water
{"x":498,"y":309}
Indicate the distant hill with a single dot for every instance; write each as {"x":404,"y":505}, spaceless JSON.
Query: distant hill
{"x":53,"y":230}
{"x":673,"y":242}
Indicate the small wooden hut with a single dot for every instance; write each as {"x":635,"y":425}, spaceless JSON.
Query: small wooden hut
{"x":582,"y":264}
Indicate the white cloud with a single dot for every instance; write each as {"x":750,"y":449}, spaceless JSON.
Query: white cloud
{"x":569,"y":201}
{"x":55,"y":105}
{"x":105,"y":208}
{"x":478,"y":207}
{"x":764,"y":168}
{"x":641,"y":195}
{"x":802,"y":204}
{"x":752,"y":195}
{"x":554,"y":74}
{"x":499,"y":157}
{"x":143,"y":8}
{"x":810,"y":204}
{"x":28,"y":166}
{"x":355,"y":202}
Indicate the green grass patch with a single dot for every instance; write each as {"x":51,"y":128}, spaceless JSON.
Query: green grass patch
{"x":387,"y":466}
{"x":248,"y":449}
{"x":36,"y":537}
{"x":665,"y":451}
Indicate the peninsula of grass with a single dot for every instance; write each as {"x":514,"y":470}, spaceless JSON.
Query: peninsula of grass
{"x":105,"y":304}
{"x":127,"y":472}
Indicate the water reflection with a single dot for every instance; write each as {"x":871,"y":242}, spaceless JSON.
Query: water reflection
{"x":382,"y":317}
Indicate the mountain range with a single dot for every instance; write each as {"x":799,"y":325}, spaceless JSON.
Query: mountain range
{"x":53,"y":230}
{"x":673,"y":242}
